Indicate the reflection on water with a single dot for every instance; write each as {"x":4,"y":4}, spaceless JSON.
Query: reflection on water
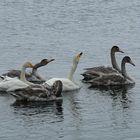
{"x":35,"y":108}
{"x":121,"y":115}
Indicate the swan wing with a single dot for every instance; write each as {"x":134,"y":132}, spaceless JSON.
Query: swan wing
{"x":109,"y":80}
{"x":103,"y":69}
{"x":16,"y":73}
{"x":10,"y":84}
{"x":68,"y":85}
{"x":33,"y":93}
{"x":95,"y":72}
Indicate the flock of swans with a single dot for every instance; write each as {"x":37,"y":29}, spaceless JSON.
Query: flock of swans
{"x":33,"y":87}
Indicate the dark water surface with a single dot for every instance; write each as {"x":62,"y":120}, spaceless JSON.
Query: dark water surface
{"x":31,"y":30}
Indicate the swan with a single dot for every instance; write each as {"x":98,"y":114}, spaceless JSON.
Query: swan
{"x":115,"y":79}
{"x":94,"y":72}
{"x":68,"y":83}
{"x":10,"y":84}
{"x":31,"y":93}
{"x":33,"y":76}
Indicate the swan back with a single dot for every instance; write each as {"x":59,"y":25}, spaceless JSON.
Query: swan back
{"x":95,"y":72}
{"x":115,"y":78}
{"x":10,"y":84}
{"x":68,"y":85}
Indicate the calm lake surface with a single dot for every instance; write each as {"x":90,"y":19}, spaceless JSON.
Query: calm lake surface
{"x":31,"y":30}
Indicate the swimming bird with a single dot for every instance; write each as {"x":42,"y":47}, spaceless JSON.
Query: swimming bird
{"x":11,"y":84}
{"x":31,"y":93}
{"x":115,"y":79}
{"x":68,"y":83}
{"x":33,"y":76}
{"x":95,"y":72}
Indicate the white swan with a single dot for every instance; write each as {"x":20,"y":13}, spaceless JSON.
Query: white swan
{"x":68,"y":83}
{"x":10,"y":84}
{"x":33,"y":77}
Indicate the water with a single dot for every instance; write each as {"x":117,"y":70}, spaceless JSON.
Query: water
{"x":33,"y":30}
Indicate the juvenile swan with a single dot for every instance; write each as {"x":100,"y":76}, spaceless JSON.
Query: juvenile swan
{"x":115,"y":79}
{"x":94,"y":72}
{"x":32,"y":94}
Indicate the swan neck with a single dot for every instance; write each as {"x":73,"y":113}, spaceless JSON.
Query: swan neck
{"x":22,"y":75}
{"x":123,"y":69}
{"x":36,"y":66}
{"x":71,"y":73}
{"x":114,"y":62}
{"x":35,"y":73}
{"x":124,"y":73}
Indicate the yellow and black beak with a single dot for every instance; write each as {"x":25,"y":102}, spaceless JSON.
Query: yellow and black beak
{"x":30,"y":65}
{"x":79,"y":55}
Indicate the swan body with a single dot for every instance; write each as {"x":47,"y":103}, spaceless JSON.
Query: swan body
{"x":115,"y":79}
{"x":34,"y":76}
{"x":33,"y":94}
{"x":68,"y":83}
{"x":95,"y":72}
{"x":10,"y":84}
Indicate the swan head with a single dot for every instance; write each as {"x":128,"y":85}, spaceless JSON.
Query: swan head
{"x":28,"y":65}
{"x":127,"y":59}
{"x":46,"y":61}
{"x":116,"y":49}
{"x":76,"y":59}
{"x":43,"y":62}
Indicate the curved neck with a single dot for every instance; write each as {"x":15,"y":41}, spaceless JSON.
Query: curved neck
{"x":22,"y":76}
{"x":71,"y":73}
{"x":124,"y":73}
{"x":35,"y":73}
{"x":36,"y":66}
{"x":114,"y":62}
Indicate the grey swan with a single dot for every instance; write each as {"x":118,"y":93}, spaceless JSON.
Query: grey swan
{"x":95,"y":72}
{"x":33,"y":76}
{"x":115,"y":79}
{"x":32,"y":94}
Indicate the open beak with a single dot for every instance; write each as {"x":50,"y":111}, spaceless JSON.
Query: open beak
{"x":132,"y":63}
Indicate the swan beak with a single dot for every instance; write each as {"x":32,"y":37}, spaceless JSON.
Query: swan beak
{"x":50,"y":60}
{"x":132,"y":63}
{"x":31,"y":66}
{"x":79,"y":55}
{"x":121,"y":51}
